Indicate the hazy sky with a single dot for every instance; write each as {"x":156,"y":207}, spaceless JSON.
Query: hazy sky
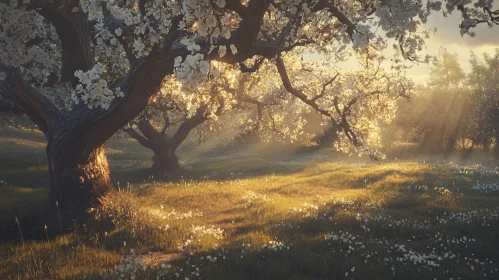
{"x":448,"y":35}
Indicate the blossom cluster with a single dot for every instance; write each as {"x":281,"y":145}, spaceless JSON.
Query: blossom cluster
{"x":486,"y":188}
{"x":217,"y":233}
{"x":21,"y":27}
{"x":146,"y":29}
{"x":275,"y":245}
{"x":192,"y":72}
{"x":206,"y":18}
{"x":252,"y":197}
{"x":93,"y":89}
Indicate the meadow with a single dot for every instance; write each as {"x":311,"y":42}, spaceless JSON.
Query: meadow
{"x":249,"y":213}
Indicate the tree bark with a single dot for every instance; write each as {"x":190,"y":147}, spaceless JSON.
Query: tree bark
{"x":79,"y":175}
{"x":165,"y":162}
{"x":78,"y":168}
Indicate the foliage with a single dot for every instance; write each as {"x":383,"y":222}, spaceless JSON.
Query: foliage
{"x":193,"y":43}
{"x":484,"y":84}
{"x":455,"y":110}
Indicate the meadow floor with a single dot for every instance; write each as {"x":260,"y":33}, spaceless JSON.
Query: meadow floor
{"x":268,"y":215}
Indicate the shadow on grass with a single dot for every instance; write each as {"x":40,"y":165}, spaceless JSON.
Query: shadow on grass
{"x":311,"y":256}
{"x":240,"y":168}
{"x":211,"y":169}
{"x":25,"y":215}
{"x":23,"y":162}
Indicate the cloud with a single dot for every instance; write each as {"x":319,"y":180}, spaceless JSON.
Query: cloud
{"x":448,"y":32}
{"x":448,"y":36}
{"x":420,"y":72}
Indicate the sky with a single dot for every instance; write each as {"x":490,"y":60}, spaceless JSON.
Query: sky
{"x":448,"y":36}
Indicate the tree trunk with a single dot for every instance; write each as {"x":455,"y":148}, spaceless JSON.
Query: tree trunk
{"x":79,"y":176}
{"x":165,"y":163}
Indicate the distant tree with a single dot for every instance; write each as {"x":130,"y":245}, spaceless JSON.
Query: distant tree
{"x":439,"y":115}
{"x":246,"y":105}
{"x":445,"y":71}
{"x":483,"y":81}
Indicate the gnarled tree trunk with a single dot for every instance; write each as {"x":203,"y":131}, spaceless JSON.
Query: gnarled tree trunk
{"x":78,"y":168}
{"x":79,"y":172}
{"x":165,"y":162}
{"x":79,"y":178}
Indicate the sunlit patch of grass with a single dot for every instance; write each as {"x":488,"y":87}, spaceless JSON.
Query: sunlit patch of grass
{"x":28,"y":169}
{"x":299,"y":208}
{"x":66,"y":257}
{"x":24,"y":143}
{"x":255,"y":217}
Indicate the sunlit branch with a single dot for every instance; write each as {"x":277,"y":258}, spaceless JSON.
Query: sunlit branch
{"x":324,"y":86}
{"x":281,"y":68}
{"x":252,"y":69}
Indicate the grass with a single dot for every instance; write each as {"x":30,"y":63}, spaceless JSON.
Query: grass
{"x":274,"y":214}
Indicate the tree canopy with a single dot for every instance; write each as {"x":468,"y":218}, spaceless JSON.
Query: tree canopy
{"x":82,"y":70}
{"x":105,"y":49}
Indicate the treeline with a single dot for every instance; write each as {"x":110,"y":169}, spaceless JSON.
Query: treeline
{"x":456,"y":111}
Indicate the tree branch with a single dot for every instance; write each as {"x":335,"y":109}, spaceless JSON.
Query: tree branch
{"x":187,"y":126}
{"x":165,"y":126}
{"x":323,"y":92}
{"x":333,"y":10}
{"x":141,"y":139}
{"x":148,"y":130}
{"x":141,"y":83}
{"x":281,"y":68}
{"x":28,"y":100}
{"x":113,"y":24}
{"x":245,"y":37}
{"x":74,"y":32}
{"x":343,"y":123}
{"x":236,"y":6}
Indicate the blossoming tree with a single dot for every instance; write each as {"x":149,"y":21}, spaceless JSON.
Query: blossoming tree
{"x":255,"y":106}
{"x":105,"y":60}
